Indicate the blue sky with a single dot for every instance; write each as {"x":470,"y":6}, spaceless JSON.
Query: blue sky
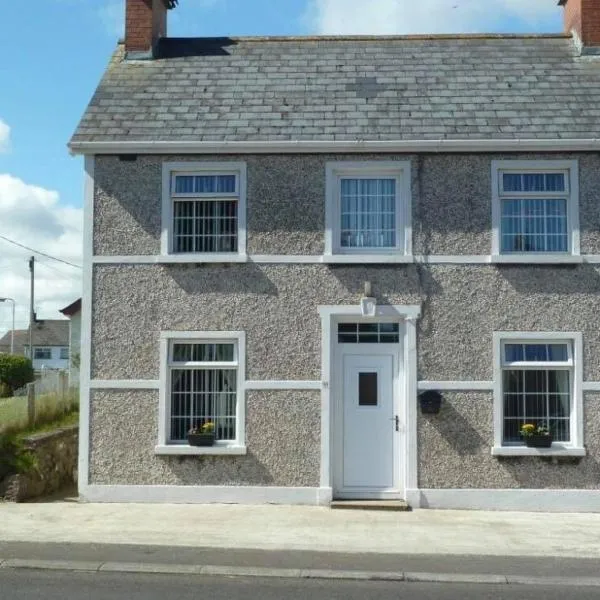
{"x":53,"y":54}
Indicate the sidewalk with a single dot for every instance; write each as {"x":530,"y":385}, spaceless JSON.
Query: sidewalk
{"x":316,"y":529}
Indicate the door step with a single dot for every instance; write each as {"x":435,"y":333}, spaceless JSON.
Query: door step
{"x":397,"y":505}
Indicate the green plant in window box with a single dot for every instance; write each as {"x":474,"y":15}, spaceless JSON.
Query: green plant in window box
{"x":536,"y":436}
{"x":202,"y":435}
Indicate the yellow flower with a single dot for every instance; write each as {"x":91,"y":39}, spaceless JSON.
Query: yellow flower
{"x":528,"y":428}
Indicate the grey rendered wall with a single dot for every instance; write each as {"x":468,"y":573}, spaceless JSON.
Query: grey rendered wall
{"x":277,"y":306}
{"x":455,"y":451}
{"x":282,"y":436}
{"x":451,"y":202}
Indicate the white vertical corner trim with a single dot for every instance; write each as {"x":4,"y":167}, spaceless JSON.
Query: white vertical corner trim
{"x":405,"y":313}
{"x":234,"y":167}
{"x":166,"y":338}
{"x":575,"y":338}
{"x":85,"y":372}
{"x":569,"y":166}
{"x":410,"y":379}
{"x":400,"y":170}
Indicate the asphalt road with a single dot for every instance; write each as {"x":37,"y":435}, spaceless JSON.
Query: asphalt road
{"x":57,"y":585}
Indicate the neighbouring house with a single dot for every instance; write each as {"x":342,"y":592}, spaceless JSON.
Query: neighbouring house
{"x":73,"y":313}
{"x":50,"y":341}
{"x":367,"y":260}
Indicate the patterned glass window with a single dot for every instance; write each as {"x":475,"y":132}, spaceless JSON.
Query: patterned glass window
{"x":205,"y":213}
{"x":534,"y":212}
{"x":203,"y":388}
{"x":368,"y":333}
{"x":537,"y":388}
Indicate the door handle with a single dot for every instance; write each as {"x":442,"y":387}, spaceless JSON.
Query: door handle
{"x":396,"y":420}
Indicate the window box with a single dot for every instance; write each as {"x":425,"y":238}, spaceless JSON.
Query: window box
{"x":201,"y":439}
{"x":538,"y":441}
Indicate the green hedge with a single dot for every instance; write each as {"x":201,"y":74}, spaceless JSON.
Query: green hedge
{"x":15,"y":372}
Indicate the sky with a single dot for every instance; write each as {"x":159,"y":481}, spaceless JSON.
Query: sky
{"x":53,"y":53}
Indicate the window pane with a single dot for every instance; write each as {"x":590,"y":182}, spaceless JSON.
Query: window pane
{"x":536,"y":352}
{"x":205,"y":226}
{"x":534,"y":225}
{"x":368,"y":213}
{"x":533,"y":182}
{"x":202,"y":395}
{"x":205,"y":184}
{"x":367,"y":389}
{"x":541,"y":397}
{"x":368,"y":333}
{"x":202,"y":352}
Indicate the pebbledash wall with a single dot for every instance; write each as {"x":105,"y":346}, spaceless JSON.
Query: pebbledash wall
{"x":277,"y":306}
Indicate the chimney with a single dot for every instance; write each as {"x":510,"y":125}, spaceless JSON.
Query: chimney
{"x":582,"y":18}
{"x":145,"y":24}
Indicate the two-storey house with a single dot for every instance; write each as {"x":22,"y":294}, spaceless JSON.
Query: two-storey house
{"x":311,"y":242}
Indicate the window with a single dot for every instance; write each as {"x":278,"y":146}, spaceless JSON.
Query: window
{"x":204,"y":209}
{"x":368,"y":333}
{"x":538,"y":381}
{"x":368,"y":208}
{"x":42,"y":353}
{"x":64,"y":354}
{"x":535,"y":208}
{"x":202,"y":382}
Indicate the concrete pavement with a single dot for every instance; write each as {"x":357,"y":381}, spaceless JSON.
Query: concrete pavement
{"x":303,"y":543}
{"x":424,"y":532}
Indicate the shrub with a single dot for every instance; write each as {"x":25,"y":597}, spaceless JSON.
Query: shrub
{"x":15,"y":372}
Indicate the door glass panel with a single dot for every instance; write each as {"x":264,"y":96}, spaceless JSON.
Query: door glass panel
{"x":367,"y":389}
{"x":368,"y":333}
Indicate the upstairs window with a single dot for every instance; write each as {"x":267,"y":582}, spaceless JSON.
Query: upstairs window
{"x":368,"y":208}
{"x":64,"y":353}
{"x":204,"y":209}
{"x":42,"y":353}
{"x":535,"y":208}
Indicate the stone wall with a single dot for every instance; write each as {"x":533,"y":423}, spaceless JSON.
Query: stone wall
{"x":55,"y":455}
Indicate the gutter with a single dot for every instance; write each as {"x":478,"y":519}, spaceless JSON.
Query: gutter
{"x":350,"y":146}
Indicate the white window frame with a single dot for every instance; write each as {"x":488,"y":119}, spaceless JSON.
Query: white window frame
{"x":169,"y":170}
{"x":64,"y":350}
{"x":167,"y":338}
{"x":571,"y":170}
{"x":36,"y":348}
{"x":575,"y":339}
{"x":399,"y":170}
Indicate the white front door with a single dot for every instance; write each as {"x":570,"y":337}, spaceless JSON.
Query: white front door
{"x":368,"y":402}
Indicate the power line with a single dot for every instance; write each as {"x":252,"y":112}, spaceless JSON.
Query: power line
{"x":40,"y":253}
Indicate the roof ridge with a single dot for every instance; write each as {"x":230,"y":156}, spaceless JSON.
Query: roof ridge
{"x":361,"y":37}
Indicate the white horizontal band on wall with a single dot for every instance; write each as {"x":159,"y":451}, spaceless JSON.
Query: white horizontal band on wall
{"x":197,"y":494}
{"x":317,"y":259}
{"x":283,"y":385}
{"x":154,"y":384}
{"x":528,"y":500}
{"x":591,"y":386}
{"x":124,"y":384}
{"x":316,"y":146}
{"x":486,"y":386}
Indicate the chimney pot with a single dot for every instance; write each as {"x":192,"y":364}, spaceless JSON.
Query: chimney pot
{"x":582,"y":18}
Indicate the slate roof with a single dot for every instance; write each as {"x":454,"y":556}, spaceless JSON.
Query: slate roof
{"x":52,"y":332}
{"x":369,"y":88}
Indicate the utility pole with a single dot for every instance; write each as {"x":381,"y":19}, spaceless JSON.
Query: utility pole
{"x":31,"y":305}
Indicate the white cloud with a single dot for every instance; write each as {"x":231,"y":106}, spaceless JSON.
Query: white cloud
{"x":4,"y":137}
{"x":33,"y":216}
{"x":425,"y":16}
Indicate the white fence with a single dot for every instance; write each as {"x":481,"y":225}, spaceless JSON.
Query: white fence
{"x":47,"y":382}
